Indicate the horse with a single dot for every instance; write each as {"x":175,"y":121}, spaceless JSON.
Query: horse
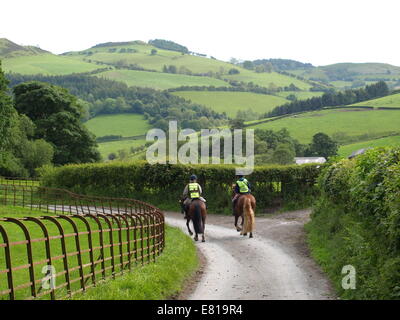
{"x":245,"y":207}
{"x":197,"y":212}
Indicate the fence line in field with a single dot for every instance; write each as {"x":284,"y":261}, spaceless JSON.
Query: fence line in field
{"x":86,"y":240}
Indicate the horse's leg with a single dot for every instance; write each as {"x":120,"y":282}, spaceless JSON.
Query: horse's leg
{"x":196,"y":237}
{"x":203,"y":238}
{"x":188,"y":226}
{"x":236,"y":221}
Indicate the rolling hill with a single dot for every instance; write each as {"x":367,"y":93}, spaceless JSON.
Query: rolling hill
{"x":9,"y":49}
{"x":346,"y":150}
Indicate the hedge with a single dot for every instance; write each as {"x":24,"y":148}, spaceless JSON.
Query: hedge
{"x":357,"y":222}
{"x":162,"y":184}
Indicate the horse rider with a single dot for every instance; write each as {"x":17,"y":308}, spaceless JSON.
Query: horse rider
{"x":242,"y":186}
{"x":192,"y":191}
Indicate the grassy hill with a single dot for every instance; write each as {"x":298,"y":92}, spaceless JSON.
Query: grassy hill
{"x":139,"y":54}
{"x":105,"y":148}
{"x":125,"y":125}
{"x":351,"y":122}
{"x":158,"y":80}
{"x":232,"y":102}
{"x":47,"y":64}
{"x":387,"y":102}
{"x":346,"y":150}
{"x":9,"y":49}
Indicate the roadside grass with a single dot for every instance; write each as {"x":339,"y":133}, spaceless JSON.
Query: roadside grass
{"x":125,"y":125}
{"x":47,"y":64}
{"x":351,"y":122}
{"x":232,"y":102}
{"x":156,"y":281}
{"x":159,"y":80}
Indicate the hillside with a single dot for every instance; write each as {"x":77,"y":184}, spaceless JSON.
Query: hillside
{"x":9,"y":49}
{"x":389,"y":101}
{"x":346,"y":123}
{"x":158,"y":80}
{"x":346,"y":75}
{"x":139,"y":55}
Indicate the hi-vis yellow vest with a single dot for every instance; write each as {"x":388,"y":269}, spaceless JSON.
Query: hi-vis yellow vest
{"x":194,"y":190}
{"x":243,"y":186}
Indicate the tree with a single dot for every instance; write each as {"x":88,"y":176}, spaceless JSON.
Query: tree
{"x":56,"y":114}
{"x":233,"y":71}
{"x":7,"y":112}
{"x":322,"y":146}
{"x":248,"y":65}
{"x":236,"y":124}
{"x":153,"y":52}
{"x":284,"y":154}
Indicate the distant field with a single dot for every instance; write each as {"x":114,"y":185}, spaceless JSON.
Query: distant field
{"x":265,"y":79}
{"x":126,"y":125}
{"x":353,"y":122}
{"x":105,"y":148}
{"x":46,"y":64}
{"x":300,"y":95}
{"x":388,"y":101}
{"x":346,"y":150}
{"x":158,"y":80}
{"x":232,"y":102}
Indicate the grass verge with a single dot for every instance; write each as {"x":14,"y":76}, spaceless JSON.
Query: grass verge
{"x":155,"y":281}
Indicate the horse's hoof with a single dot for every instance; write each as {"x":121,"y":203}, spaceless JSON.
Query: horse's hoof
{"x":191,"y":233}
{"x":204,"y":240}
{"x":238,"y":229}
{"x":250,"y":236}
{"x":245,"y":234}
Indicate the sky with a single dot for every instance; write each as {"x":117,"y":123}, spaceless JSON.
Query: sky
{"x":320,"y":32}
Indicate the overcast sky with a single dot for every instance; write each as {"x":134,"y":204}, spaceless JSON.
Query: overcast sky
{"x":316,"y":31}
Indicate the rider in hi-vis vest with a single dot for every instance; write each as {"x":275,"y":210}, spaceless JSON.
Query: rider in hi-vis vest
{"x":192,"y":191}
{"x":242,"y":187}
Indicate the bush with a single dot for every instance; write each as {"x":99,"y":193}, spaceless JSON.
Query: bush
{"x":357,"y":222}
{"x":162,"y":184}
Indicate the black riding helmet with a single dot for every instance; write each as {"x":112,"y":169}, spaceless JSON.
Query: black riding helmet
{"x":193,"y":177}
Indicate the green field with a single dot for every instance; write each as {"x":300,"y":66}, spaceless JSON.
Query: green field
{"x":158,"y":80}
{"x":125,"y":125}
{"x":265,"y":79}
{"x":388,"y":101}
{"x":353,"y":122}
{"x":48,"y":64}
{"x":232,"y":102}
{"x":346,"y":150}
{"x":105,"y":148}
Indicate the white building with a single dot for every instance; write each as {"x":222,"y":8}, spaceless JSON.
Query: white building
{"x":303,"y":160}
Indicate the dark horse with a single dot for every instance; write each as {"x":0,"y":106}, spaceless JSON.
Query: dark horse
{"x":245,"y":208}
{"x":197,"y":212}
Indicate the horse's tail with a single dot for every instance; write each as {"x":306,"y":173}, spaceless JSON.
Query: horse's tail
{"x":248,"y":214}
{"x":197,"y":221}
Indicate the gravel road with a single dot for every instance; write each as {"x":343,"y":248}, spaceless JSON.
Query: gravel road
{"x":275,"y":264}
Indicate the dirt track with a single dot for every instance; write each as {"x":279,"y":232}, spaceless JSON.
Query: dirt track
{"x":275,"y":264}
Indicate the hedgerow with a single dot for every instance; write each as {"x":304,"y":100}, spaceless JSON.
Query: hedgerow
{"x":162,"y":184}
{"x":357,"y":222}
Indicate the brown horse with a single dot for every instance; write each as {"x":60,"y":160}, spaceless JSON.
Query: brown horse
{"x":245,"y":207}
{"x":197,"y":212}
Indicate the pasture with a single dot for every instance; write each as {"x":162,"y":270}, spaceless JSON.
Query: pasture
{"x":158,"y":80}
{"x":125,"y":125}
{"x":47,"y":64}
{"x":346,"y":150}
{"x":352,"y":122}
{"x":105,"y":148}
{"x":300,"y":95}
{"x":392,"y":100}
{"x":232,"y":102}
